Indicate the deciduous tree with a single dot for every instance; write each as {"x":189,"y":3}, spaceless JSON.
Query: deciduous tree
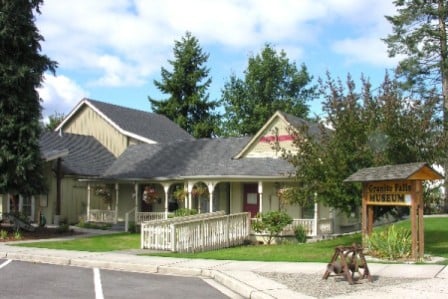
{"x":271,"y":82}
{"x":362,"y":129}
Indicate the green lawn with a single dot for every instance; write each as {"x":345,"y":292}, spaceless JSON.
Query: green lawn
{"x":436,"y":244}
{"x":102,"y":243}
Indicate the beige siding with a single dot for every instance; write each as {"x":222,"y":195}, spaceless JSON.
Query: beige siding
{"x":263,"y":147}
{"x":236,"y":197}
{"x":88,"y":122}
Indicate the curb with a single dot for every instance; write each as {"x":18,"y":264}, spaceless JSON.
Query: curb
{"x":229,"y":282}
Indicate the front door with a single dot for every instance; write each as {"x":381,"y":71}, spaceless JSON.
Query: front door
{"x":251,"y":199}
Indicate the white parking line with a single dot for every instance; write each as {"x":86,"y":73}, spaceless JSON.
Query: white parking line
{"x":97,"y":283}
{"x":5,"y":263}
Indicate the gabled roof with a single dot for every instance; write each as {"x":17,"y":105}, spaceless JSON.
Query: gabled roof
{"x":295,"y":122}
{"x":143,"y":126}
{"x":81,"y":155}
{"x":197,"y":158}
{"x":409,"y":171}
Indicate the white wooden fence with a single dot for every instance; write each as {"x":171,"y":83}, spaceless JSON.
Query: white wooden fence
{"x":104,"y":216}
{"x":148,"y":216}
{"x":200,"y":232}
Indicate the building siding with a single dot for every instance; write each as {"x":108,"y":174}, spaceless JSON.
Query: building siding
{"x":263,"y":147}
{"x":89,"y":122}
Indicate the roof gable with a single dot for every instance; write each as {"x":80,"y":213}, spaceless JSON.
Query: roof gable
{"x":140,"y":125}
{"x":409,"y":171}
{"x":276,"y":128}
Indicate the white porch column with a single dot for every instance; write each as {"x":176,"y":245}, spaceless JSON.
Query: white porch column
{"x":260,"y":193}
{"x":88,"y":203}
{"x":116,"y":202}
{"x":166,"y":188}
{"x":136,"y":201}
{"x":316,"y":218}
{"x":189,"y":199}
{"x":211,"y":187}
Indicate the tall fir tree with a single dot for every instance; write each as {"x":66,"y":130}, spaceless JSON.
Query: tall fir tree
{"x":420,"y":37}
{"x":21,"y":71}
{"x":187,"y":84}
{"x":271,"y":82}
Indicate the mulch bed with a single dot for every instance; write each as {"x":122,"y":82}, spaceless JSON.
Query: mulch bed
{"x":39,"y":233}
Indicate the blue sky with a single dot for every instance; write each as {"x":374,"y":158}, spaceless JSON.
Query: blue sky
{"x":113,"y":50}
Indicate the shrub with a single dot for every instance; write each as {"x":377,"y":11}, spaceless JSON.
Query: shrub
{"x":132,"y":227}
{"x":3,"y":234}
{"x":392,"y":243}
{"x":63,"y":228}
{"x":272,"y":223}
{"x":18,"y":235}
{"x":300,"y":233}
{"x":184,"y":212}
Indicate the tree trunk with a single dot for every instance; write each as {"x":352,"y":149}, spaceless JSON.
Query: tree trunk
{"x":444,"y":73}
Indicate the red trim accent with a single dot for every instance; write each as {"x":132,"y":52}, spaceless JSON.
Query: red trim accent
{"x":271,"y":138}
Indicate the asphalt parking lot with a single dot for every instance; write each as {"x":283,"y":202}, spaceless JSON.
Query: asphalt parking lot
{"x":34,"y":280}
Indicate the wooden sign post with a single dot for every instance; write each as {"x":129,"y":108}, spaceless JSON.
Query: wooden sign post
{"x":395,"y":185}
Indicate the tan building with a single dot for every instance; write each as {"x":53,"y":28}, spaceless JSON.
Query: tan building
{"x":109,"y":163}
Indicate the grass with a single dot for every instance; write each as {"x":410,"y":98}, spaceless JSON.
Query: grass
{"x":436,"y":244}
{"x":102,"y":243}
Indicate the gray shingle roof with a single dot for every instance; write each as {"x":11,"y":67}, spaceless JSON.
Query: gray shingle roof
{"x":202,"y":157}
{"x":297,"y":122}
{"x":86,"y":156}
{"x":148,"y":125}
{"x":392,"y":172}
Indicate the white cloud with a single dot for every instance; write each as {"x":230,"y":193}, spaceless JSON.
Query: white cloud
{"x":370,"y":50}
{"x":124,"y":43}
{"x":118,"y":38}
{"x":59,"y":94}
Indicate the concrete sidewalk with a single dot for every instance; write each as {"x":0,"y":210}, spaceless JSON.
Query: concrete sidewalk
{"x":241,"y":277}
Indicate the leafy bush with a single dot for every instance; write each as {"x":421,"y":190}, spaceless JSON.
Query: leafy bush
{"x":272,"y":223}
{"x":63,"y":228}
{"x":300,"y":233}
{"x":18,"y":235}
{"x":184,"y":212}
{"x":3,"y":234}
{"x":132,"y":227}
{"x":392,"y":243}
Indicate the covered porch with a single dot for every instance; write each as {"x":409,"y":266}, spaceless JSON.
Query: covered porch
{"x":137,"y":202}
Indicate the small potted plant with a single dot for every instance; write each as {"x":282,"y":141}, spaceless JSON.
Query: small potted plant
{"x":150,"y":194}
{"x":105,"y":193}
{"x":180,"y":194}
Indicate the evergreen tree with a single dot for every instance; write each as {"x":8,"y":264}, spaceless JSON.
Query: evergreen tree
{"x":271,"y":82}
{"x":420,"y":35}
{"x":21,"y":71}
{"x":188,"y":104}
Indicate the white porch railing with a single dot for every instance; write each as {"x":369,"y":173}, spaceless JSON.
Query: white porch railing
{"x":307,"y":224}
{"x":149,"y":216}
{"x":104,"y":216}
{"x":324,"y":227}
{"x":200,"y":232}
